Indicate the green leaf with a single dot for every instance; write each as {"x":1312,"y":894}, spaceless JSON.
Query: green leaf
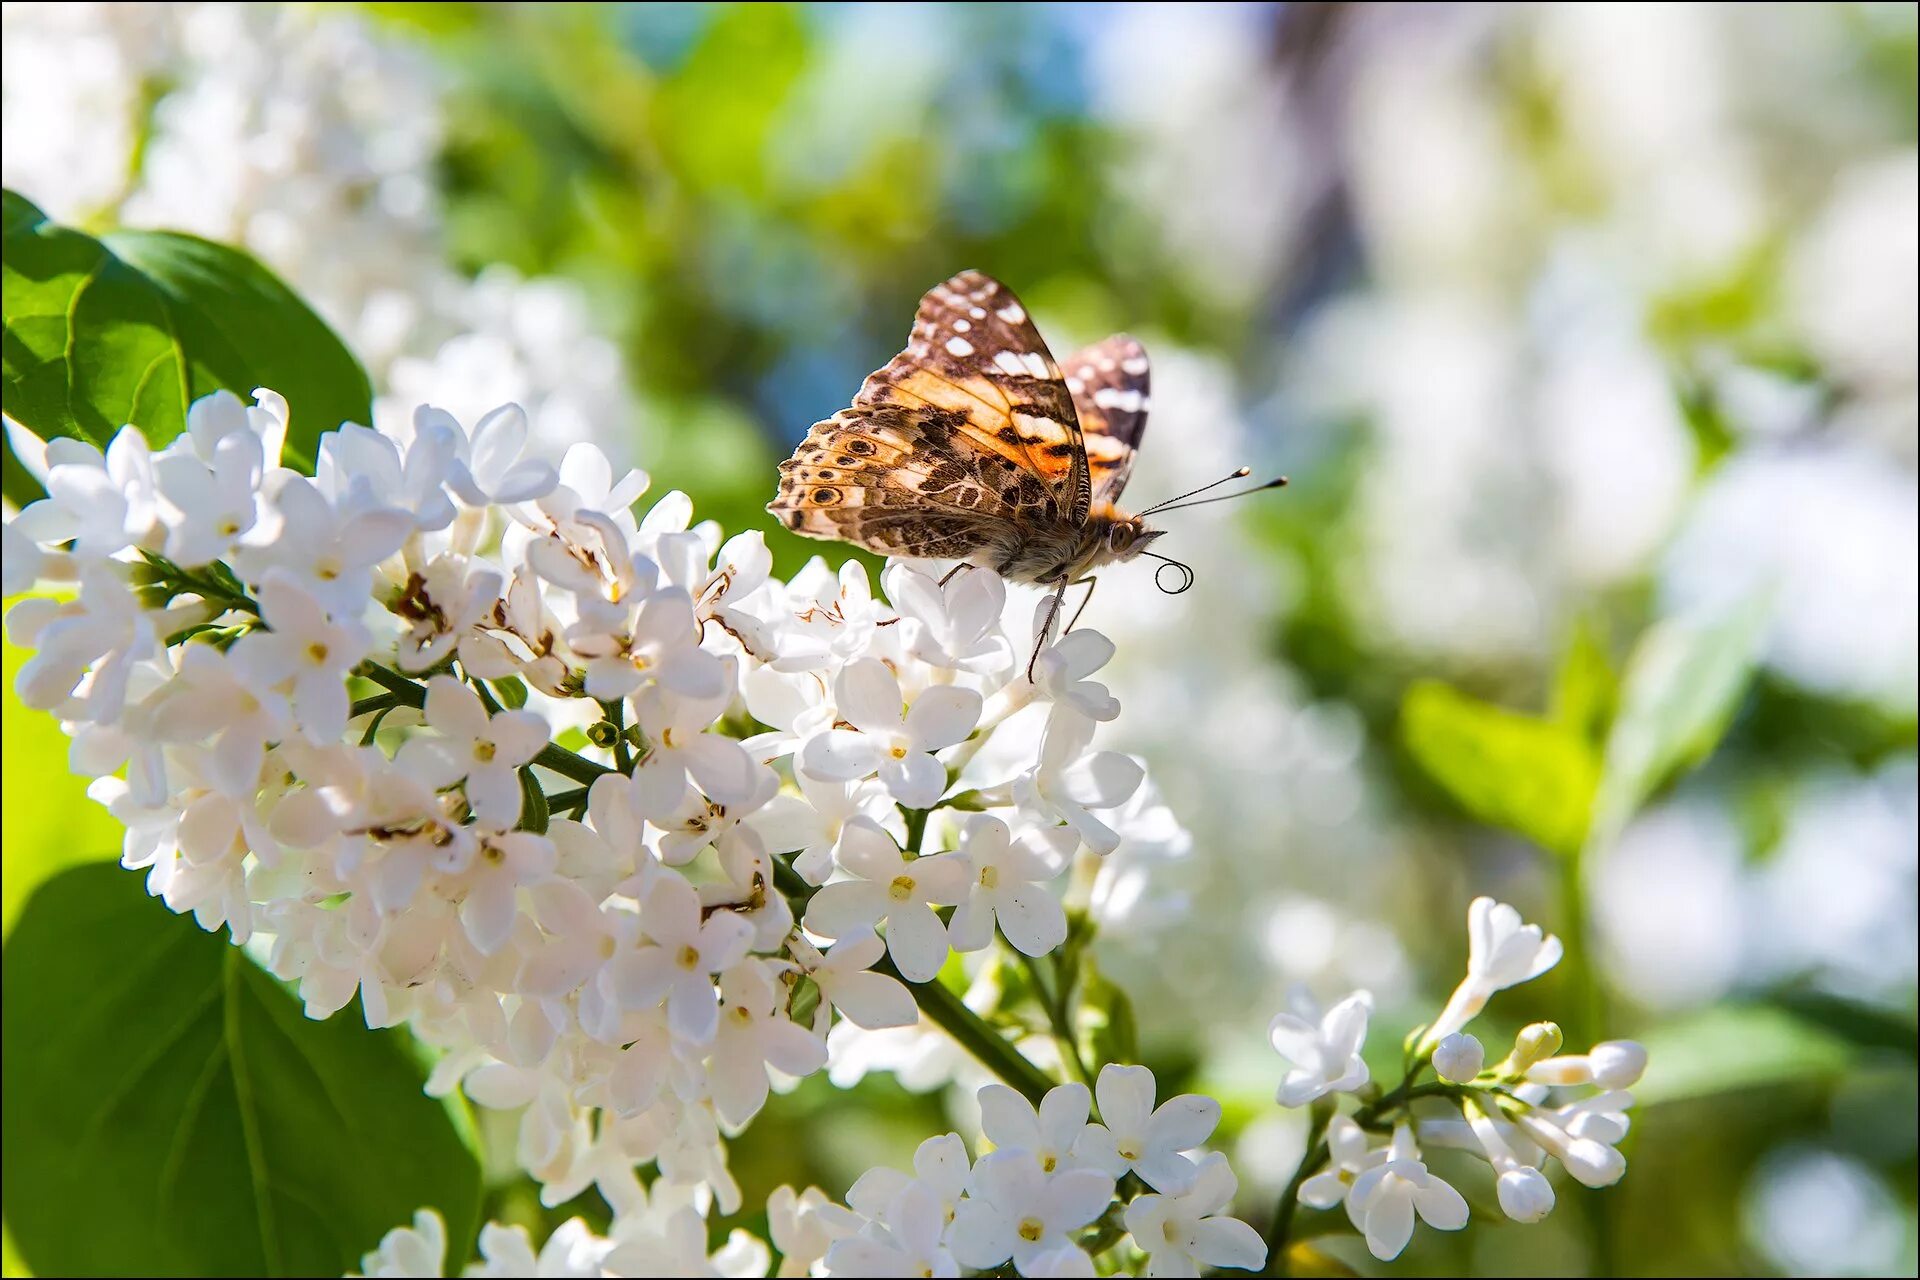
{"x":47,"y":822}
{"x":1730,"y":1047}
{"x":1516,"y":772}
{"x":1684,"y":681}
{"x":534,"y":814}
{"x":171,"y":1111}
{"x":1586,"y":687}
{"x":1108,"y":1030}
{"x":512,"y":691}
{"x":133,"y":326}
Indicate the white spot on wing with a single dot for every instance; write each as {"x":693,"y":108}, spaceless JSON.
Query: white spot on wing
{"x":1012,"y":313}
{"x":959,"y":347}
{"x":978,"y":313}
{"x":1009,"y":362}
{"x":1134,"y":364}
{"x":1127,"y":401}
{"x":1036,"y":364}
{"x":961,"y":326}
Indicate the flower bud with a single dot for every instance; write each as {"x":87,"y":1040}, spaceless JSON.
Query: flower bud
{"x":1525,"y":1194}
{"x":1458,"y":1058}
{"x":1618,"y":1064}
{"x":1536,"y":1041}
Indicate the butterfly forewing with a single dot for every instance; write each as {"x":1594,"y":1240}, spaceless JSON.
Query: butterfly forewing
{"x":1109,"y":384}
{"x":964,"y":446}
{"x":976,"y":355}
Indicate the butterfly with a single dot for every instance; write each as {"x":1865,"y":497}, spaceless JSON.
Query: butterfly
{"x":974,"y":445}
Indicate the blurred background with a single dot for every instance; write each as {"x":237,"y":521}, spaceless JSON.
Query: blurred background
{"x":1564,"y":320}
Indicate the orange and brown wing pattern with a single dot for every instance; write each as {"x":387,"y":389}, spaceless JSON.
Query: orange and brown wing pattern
{"x":1109,"y":384}
{"x":905,"y":480}
{"x":976,"y":361}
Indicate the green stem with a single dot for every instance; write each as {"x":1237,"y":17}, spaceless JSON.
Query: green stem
{"x":552,"y":756}
{"x":987,"y":1046}
{"x":1055,"y":1004}
{"x":1281,"y":1228}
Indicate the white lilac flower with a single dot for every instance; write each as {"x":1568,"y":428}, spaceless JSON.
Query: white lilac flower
{"x":680,"y":753}
{"x":1582,"y":1138}
{"x":887,"y":886}
{"x":847,"y":982}
{"x":328,"y":553}
{"x":907,"y":1238}
{"x":1324,"y":1050}
{"x":681,"y":957}
{"x":1612,"y":1064}
{"x":803,"y":1227}
{"x":1016,"y":1210}
{"x":305,"y":652}
{"x":956,"y":626}
{"x":1068,"y":782}
{"x":1503,"y":951}
{"x":1384,"y":1199}
{"x":1525,"y":1194}
{"x":809,"y":825}
{"x":1458,"y":1058}
{"x":1349,"y":1156}
{"x":1182,"y":1233}
{"x":572,"y":1252}
{"x":418,"y":1250}
{"x":888,"y":737}
{"x":1050,"y":1133}
{"x":484,"y":751}
{"x":1135,"y":1136}
{"x":1009,"y":886}
{"x":754,"y":1034}
{"x":1062,"y":669}
{"x":940,"y":1168}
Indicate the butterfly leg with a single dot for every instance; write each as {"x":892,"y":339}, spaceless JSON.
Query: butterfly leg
{"x":1046,"y":628}
{"x":954,"y":572}
{"x":1084,"y":602}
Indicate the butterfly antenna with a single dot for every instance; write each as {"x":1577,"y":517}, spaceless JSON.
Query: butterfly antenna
{"x":1175,"y":504}
{"x":1168,"y":562}
{"x":1241,"y":474}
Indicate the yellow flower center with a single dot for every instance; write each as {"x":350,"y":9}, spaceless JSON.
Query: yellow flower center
{"x":689,"y":957}
{"x":1049,"y":1163}
{"x":742,"y":1014}
{"x":898,"y":751}
{"x":1128,"y":1153}
{"x":317,"y":653}
{"x":483,"y":751}
{"x":901,"y":889}
{"x":1031,"y":1229}
{"x":989,"y":877}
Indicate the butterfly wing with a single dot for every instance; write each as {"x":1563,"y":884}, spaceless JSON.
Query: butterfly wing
{"x":976,"y":358}
{"x":1109,"y":383}
{"x":964,"y":446}
{"x":900,"y":480}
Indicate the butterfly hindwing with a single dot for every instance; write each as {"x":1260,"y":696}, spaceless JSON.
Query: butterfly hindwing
{"x":1109,"y":383}
{"x":901,"y":480}
{"x":978,"y":362}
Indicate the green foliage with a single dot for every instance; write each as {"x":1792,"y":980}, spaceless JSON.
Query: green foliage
{"x":47,"y":822}
{"x":1682,"y":686}
{"x":171,"y":1111}
{"x":1520,"y":773}
{"x":1108,"y":1030}
{"x":133,"y":326}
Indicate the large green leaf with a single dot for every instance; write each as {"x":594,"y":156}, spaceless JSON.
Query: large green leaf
{"x":47,"y":821}
{"x":1526,"y":775}
{"x":1683,"y":683}
{"x":133,"y":326}
{"x":171,"y":1111}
